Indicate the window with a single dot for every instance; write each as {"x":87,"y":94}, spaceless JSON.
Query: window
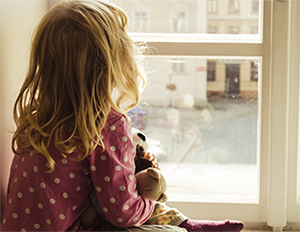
{"x":254,"y":71}
{"x":255,"y":6}
{"x":179,"y":22}
{"x":141,"y":20}
{"x":234,"y":6}
{"x":212,"y":30}
{"x":212,"y":6}
{"x":233,"y":30}
{"x":211,"y":70}
{"x":254,"y":30}
{"x":250,"y":171}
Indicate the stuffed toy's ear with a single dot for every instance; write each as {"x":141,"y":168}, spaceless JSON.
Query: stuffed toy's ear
{"x":154,"y":173}
{"x":163,"y":198}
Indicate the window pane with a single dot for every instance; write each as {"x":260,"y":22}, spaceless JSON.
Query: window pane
{"x":193,"y":16}
{"x":201,"y":119}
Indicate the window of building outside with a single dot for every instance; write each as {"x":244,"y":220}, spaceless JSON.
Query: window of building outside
{"x":211,"y":70}
{"x":212,"y":30}
{"x":234,"y":6}
{"x":233,"y":30}
{"x":179,"y":22}
{"x":254,"y":71}
{"x":212,"y":6}
{"x":255,"y":6}
{"x":210,"y":111}
{"x":140,"y":21}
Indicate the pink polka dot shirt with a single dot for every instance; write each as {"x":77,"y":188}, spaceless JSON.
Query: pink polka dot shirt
{"x":40,"y":201}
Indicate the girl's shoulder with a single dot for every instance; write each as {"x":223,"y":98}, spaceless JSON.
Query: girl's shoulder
{"x":115,"y":116}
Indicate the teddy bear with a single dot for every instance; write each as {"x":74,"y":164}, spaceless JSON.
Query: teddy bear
{"x":151,"y":184}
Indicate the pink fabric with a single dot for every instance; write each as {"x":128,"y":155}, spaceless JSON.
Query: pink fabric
{"x":54,"y":201}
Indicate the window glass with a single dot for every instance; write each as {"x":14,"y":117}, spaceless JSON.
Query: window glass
{"x":192,"y":16}
{"x":201,"y":119}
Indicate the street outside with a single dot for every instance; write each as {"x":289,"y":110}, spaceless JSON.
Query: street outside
{"x":194,"y":143}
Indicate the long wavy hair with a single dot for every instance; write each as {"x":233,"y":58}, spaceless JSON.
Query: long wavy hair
{"x":80,"y":54}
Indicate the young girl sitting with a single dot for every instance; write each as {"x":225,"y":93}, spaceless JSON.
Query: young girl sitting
{"x":71,"y":135}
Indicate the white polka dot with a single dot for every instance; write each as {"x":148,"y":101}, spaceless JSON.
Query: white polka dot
{"x":43,"y":185}
{"x":103,"y":157}
{"x":64,"y":161}
{"x":124,"y":138}
{"x":112,"y":128}
{"x":40,"y":205}
{"x":57,"y":180}
{"x":35,"y":169}
{"x":27,"y":211}
{"x":37,"y":225}
{"x":112,"y":200}
{"x":130,"y":177}
{"x":20,"y":195}
{"x":105,"y":209}
{"x":9,"y":201}
{"x":65,"y":195}
{"x":101,"y":136}
{"x":126,"y":207}
{"x":125,"y":159}
{"x":107,"y":178}
{"x":93,"y":168}
{"x":48,"y":165}
{"x":135,"y":219}
{"x":122,"y":188}
{"x":80,"y":156}
{"x":52,"y":201}
{"x":23,"y":230}
{"x":120,"y":220}
{"x":135,"y":195}
{"x":48,"y":221}
{"x":98,"y":189}
{"x":118,"y":168}
{"x":112,"y":148}
{"x":4,"y":221}
{"x":31,"y":153}
{"x":72,"y":175}
{"x":16,"y":166}
{"x":24,"y":174}
{"x":87,"y":172}
{"x":78,"y":188}
{"x":62,"y":217}
{"x":122,"y":119}
{"x":23,"y":159}
{"x":15,"y":216}
{"x":16,"y":179}
{"x":74,"y":207}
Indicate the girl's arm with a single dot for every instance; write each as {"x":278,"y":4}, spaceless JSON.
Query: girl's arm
{"x":113,"y":176}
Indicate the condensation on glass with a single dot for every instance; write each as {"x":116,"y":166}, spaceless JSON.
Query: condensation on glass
{"x":192,"y":16}
{"x":201,"y":117}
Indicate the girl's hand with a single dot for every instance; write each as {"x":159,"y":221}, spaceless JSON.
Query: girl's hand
{"x":151,"y":157}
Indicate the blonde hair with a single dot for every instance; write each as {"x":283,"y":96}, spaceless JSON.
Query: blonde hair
{"x":80,"y":54}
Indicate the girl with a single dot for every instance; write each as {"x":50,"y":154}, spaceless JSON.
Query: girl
{"x":71,"y":136}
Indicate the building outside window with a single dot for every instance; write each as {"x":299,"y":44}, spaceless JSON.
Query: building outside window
{"x":255,"y":6}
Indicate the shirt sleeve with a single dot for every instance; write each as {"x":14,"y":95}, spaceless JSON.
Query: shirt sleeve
{"x":113,"y":176}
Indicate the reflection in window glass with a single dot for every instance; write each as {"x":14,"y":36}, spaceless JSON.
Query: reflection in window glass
{"x":204,"y":133}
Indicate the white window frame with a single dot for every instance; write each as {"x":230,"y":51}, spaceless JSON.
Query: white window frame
{"x":278,"y":46}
